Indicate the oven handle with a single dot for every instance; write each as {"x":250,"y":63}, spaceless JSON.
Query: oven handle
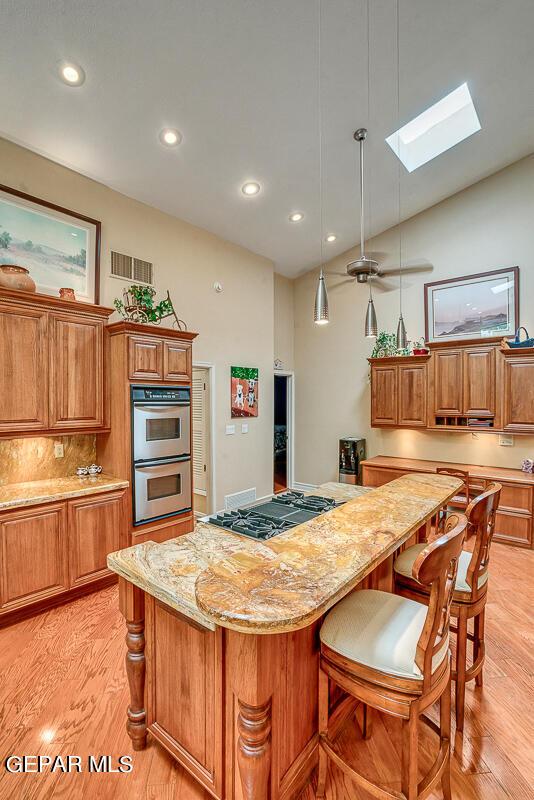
{"x":161,"y":461}
{"x":158,"y":407}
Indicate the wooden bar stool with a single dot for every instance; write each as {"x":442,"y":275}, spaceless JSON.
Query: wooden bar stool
{"x":460,"y":500}
{"x":470,"y":591}
{"x":393,"y":654}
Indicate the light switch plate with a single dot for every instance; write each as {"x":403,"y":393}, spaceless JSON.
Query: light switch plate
{"x":244,"y":427}
{"x":506,"y":440}
{"x":58,"y":450}
{"x":230,"y":429}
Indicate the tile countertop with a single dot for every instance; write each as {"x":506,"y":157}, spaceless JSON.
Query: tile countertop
{"x":216,"y":577}
{"x":16,"y":495}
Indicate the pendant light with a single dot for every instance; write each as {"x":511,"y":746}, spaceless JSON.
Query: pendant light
{"x":371,"y":325}
{"x":402,"y":341}
{"x":320,"y":312}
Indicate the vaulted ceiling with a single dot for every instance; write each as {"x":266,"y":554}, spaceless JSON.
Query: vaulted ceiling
{"x":240,"y":80}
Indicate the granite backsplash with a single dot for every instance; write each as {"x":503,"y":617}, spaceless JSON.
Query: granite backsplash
{"x":33,"y":459}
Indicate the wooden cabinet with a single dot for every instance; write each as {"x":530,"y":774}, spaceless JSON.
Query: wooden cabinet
{"x":54,"y":551}
{"x":518,"y":390}
{"x":411,"y":387}
{"x":479,"y":381}
{"x":96,"y":528}
{"x":448,"y":382}
{"x":515,"y":518}
{"x":177,"y":364}
{"x":384,"y":395}
{"x":398,"y":392}
{"x":52,"y":360}
{"x":76,"y":372}
{"x":23,"y":368}
{"x":33,"y":556}
{"x":145,"y":358}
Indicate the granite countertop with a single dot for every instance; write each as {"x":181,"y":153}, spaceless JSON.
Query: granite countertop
{"x":15,"y":495}
{"x":216,"y":577}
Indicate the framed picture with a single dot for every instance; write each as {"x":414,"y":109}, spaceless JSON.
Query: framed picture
{"x":473,"y":307}
{"x":244,"y":391}
{"x":59,"y":247}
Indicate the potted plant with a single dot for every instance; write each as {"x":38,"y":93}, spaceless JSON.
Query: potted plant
{"x":419,"y":348}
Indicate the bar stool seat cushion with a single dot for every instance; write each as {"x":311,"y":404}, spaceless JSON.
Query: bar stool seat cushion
{"x":404,"y":563}
{"x":379,"y":630}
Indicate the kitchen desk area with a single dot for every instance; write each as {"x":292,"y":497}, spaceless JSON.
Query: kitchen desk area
{"x":222,"y":633}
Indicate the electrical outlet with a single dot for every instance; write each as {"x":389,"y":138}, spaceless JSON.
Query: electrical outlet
{"x":244,"y":427}
{"x":58,"y":450}
{"x":505,"y":440}
{"x":230,"y":429}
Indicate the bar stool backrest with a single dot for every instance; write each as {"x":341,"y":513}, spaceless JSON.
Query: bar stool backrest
{"x":436,"y":566}
{"x":462,"y":474}
{"x":481,"y":517}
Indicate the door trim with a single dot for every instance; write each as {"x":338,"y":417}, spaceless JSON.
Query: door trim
{"x":211,"y":493}
{"x":290,"y":375}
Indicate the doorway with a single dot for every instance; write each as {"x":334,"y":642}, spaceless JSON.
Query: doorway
{"x":202,"y":445}
{"x":283,"y":432}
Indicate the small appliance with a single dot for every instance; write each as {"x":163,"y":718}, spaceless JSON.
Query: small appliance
{"x":351,"y":455}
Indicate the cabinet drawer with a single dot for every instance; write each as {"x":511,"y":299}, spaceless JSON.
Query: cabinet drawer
{"x":377,"y":476}
{"x":513,"y":529}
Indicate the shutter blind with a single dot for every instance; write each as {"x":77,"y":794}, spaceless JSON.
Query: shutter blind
{"x":199,"y":431}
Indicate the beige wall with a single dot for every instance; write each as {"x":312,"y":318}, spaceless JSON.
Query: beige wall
{"x":235,"y":326}
{"x":284,"y":321}
{"x":487,"y":226}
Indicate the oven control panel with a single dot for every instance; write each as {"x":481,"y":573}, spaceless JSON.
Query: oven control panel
{"x":161,"y":394}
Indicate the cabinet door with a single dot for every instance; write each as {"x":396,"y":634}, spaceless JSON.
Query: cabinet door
{"x":145,"y":358}
{"x":176,"y":361}
{"x":479,"y":381}
{"x":448,"y":382}
{"x":96,"y":528}
{"x":33,"y":556}
{"x":76,"y":372}
{"x":513,"y":529}
{"x":412,"y":395}
{"x":518,"y":403}
{"x":384,"y":395}
{"x":23,"y":370}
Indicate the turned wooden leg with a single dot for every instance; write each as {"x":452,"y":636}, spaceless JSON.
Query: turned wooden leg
{"x":461,"y":659}
{"x":323,"y":731}
{"x":254,"y":750}
{"x":410,"y":752}
{"x":363,"y":715}
{"x":445,"y":735}
{"x":132,"y":605}
{"x":479,"y":646}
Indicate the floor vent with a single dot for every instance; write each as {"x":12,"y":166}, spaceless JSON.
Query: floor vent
{"x":131,"y":269}
{"x":239,"y":499}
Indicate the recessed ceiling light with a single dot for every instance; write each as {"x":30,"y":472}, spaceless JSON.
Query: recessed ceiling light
{"x":251,"y":188}
{"x":170,"y":137}
{"x":448,"y":122}
{"x":71,"y":74}
{"x":331,"y":237}
{"x":296,"y":216}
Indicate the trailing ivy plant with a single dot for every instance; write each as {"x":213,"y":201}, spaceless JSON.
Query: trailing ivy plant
{"x":143,"y":296}
{"x":385,"y":345}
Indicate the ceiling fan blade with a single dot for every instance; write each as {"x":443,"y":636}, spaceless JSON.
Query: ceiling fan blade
{"x":339,"y":283}
{"x":384,"y":286}
{"x":406,"y":270}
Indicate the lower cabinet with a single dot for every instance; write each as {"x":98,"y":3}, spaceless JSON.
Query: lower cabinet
{"x":33,"y":556}
{"x":94,"y":531}
{"x":55,"y":549}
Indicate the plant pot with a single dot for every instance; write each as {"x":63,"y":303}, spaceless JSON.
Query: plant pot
{"x":14,"y":277}
{"x":420,"y":351}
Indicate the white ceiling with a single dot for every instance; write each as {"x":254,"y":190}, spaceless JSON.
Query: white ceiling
{"x":239,"y":79}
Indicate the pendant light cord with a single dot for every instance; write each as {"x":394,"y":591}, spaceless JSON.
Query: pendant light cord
{"x":398,"y":164}
{"x":320,"y":117}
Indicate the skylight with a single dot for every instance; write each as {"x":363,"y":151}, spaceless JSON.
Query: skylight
{"x":449,"y":121}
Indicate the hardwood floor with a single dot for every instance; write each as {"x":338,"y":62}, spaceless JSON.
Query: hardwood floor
{"x":63,"y":692}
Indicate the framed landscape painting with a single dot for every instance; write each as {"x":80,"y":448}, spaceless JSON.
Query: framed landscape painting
{"x":59,"y":247}
{"x":244,"y":391}
{"x":473,"y":307}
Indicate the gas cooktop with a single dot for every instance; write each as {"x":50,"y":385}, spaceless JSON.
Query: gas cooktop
{"x":279,"y":514}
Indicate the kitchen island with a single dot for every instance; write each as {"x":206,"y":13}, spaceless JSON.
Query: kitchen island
{"x":222,"y":633}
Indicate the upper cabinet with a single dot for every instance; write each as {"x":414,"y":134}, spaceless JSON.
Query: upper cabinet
{"x":518,"y":390}
{"x":52,"y":364}
{"x":398,"y":392}
{"x":448,"y":382}
{"x":479,"y":381}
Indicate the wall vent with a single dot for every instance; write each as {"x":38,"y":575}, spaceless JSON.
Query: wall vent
{"x":239,"y":499}
{"x":131,"y":269}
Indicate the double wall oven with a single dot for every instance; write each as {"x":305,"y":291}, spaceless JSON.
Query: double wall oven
{"x":161,"y":451}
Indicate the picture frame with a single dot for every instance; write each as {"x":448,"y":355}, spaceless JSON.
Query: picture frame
{"x":478,"y":306}
{"x":244,"y":391}
{"x":59,"y":247}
